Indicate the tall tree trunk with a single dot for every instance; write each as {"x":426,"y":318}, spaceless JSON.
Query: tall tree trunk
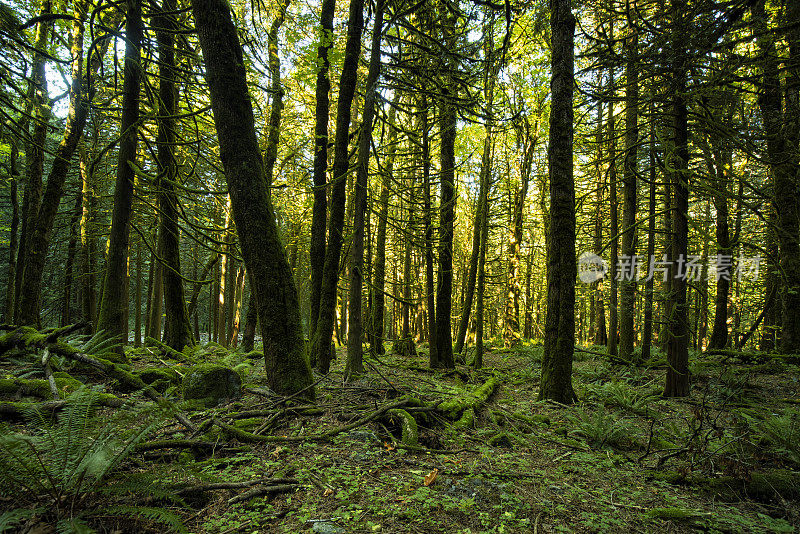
{"x":600,"y":333}
{"x":88,"y":241}
{"x":719,"y":333}
{"x":177,"y":329}
{"x":8,"y":308}
{"x":527,"y":143}
{"x":628,"y":278}
{"x":447,"y":128}
{"x":378,"y":306}
{"x":430,"y":290}
{"x":347,"y":87}
{"x":613,"y":330}
{"x":355,"y":331}
{"x":276,"y":108}
{"x":647,"y":328}
{"x":41,"y":227}
{"x":137,"y":317}
{"x":559,"y":340}
{"x":287,"y":368}
{"x":237,"y":309}
{"x":250,"y":320}
{"x":320,"y":209}
{"x":677,"y":380}
{"x":115,"y":297}
{"x":69,"y":271}
{"x":34,"y":150}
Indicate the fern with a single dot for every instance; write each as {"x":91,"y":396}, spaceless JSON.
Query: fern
{"x":10,"y":520}
{"x":152,"y":514}
{"x":599,"y":428}
{"x":63,"y":464}
{"x":784,"y":432}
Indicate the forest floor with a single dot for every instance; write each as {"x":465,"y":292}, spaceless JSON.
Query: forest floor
{"x":623,"y":459}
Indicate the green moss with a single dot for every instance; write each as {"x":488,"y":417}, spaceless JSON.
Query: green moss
{"x":673,"y":514}
{"x":212,"y":383}
{"x":408,"y":425}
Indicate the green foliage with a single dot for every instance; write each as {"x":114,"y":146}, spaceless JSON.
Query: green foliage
{"x":62,"y":465}
{"x":598,"y":428}
{"x":783,"y":431}
{"x":619,"y":394}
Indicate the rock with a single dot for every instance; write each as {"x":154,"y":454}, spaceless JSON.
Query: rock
{"x":211,"y":383}
{"x":327,"y":527}
{"x":362,"y":435}
{"x":159,"y":377}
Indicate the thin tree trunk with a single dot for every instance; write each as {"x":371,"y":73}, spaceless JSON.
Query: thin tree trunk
{"x":250,"y":320}
{"x":137,"y":313}
{"x":115,"y":298}
{"x":355,"y":331}
{"x":69,"y":271}
{"x":8,"y":309}
{"x":428,"y":228}
{"x":647,"y":328}
{"x":347,"y":86}
{"x":628,"y":279}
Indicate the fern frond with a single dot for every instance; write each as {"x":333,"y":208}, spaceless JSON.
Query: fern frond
{"x":10,"y":520}
{"x":73,"y":526}
{"x":147,"y":513}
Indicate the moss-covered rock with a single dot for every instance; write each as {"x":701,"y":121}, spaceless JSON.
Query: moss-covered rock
{"x":160,"y":378}
{"x":212,"y":383}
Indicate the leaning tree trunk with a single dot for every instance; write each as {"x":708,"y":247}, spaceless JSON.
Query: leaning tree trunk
{"x":115,"y":297}
{"x":355,"y":331}
{"x":287,"y":368}
{"x":177,"y":329}
{"x":559,"y":335}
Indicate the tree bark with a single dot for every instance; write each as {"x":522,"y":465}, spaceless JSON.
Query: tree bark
{"x":628,"y":279}
{"x":287,"y":368}
{"x":115,"y":297}
{"x":177,"y":329}
{"x":559,"y":340}
{"x":677,"y":379}
{"x":320,"y":209}
{"x":347,"y":86}
{"x":355,"y":331}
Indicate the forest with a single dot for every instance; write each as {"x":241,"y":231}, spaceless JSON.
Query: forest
{"x":384,"y":266}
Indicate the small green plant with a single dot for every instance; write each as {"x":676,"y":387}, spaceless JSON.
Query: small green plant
{"x":619,"y":394}
{"x":783,"y":431}
{"x":599,"y":428}
{"x":57,"y":472}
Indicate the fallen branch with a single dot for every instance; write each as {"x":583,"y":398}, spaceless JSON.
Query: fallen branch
{"x":249,"y":437}
{"x":258,"y":492}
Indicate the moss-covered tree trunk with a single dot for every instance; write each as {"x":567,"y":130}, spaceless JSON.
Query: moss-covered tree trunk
{"x":287,"y":368}
{"x":355,"y":331}
{"x":320,"y":209}
{"x":347,"y":86}
{"x":177,"y":329}
{"x":114,"y":302}
{"x":630,"y":171}
{"x":559,"y":335}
